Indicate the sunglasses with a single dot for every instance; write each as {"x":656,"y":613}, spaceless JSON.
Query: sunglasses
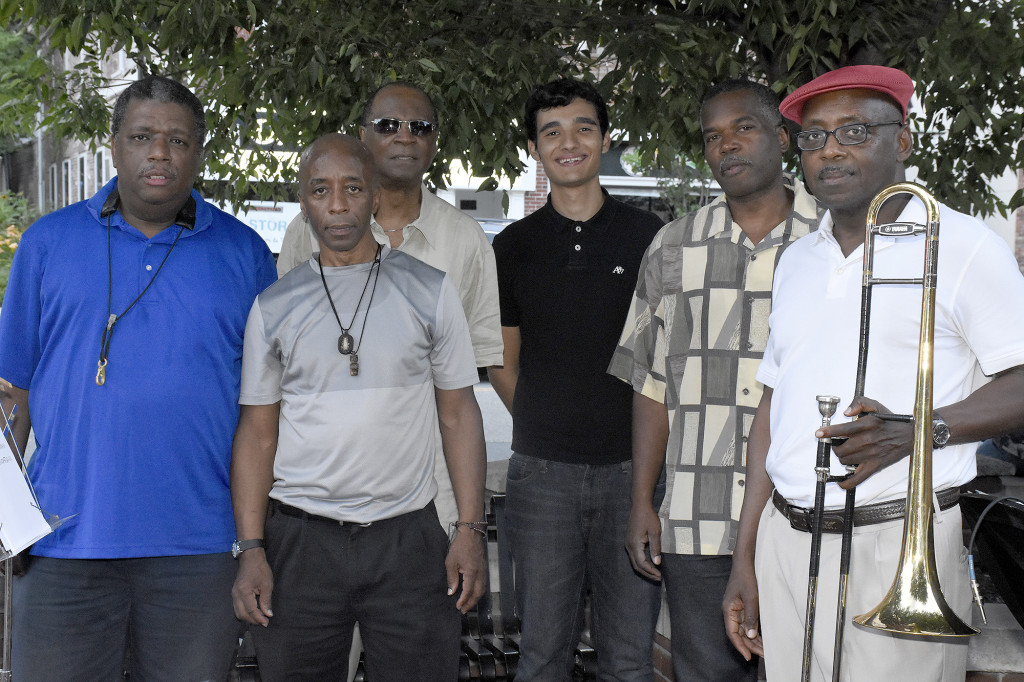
{"x":390,"y":126}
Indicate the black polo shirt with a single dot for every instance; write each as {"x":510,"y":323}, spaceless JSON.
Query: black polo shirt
{"x":567,"y":285}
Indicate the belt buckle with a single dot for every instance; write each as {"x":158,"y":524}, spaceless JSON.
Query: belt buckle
{"x":803,"y":520}
{"x":799,"y":519}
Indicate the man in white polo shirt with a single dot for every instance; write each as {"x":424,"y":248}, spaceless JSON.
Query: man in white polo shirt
{"x":854,"y":142}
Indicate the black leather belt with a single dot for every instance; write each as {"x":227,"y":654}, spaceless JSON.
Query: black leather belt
{"x":832,"y":520}
{"x":288,"y":510}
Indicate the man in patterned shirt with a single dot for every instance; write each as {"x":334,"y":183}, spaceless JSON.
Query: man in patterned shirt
{"x":690,"y":348}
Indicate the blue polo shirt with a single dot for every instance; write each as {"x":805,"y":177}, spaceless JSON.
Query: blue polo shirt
{"x":144,"y":459}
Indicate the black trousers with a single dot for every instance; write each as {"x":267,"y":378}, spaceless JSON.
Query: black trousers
{"x":388,"y":576}
{"x":701,"y":649}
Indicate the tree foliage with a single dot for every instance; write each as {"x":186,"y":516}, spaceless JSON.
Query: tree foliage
{"x":15,"y":216}
{"x":289,"y":71}
{"x":20,"y":70}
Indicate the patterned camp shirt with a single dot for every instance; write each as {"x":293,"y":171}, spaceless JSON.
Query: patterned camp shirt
{"x":697,"y":328}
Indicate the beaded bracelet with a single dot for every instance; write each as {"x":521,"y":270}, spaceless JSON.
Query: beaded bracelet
{"x":478,"y":526}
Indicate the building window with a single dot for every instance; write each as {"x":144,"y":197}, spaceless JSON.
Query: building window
{"x":53,"y":187}
{"x":65,"y":182}
{"x":100,"y":178}
{"x":81,"y":177}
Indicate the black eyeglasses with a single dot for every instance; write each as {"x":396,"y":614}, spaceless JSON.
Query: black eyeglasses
{"x":851,"y":133}
{"x":390,"y":126}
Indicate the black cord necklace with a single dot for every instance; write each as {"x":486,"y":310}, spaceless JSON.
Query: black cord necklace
{"x":346,"y":344}
{"x":112,"y":319}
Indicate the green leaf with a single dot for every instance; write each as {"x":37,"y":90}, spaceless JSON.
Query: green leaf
{"x":1016,"y":201}
{"x":479,"y":62}
{"x":428,"y":65}
{"x":960,"y":122}
{"x":794,"y":53}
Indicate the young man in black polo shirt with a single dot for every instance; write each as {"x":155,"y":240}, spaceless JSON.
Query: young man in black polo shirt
{"x":565,"y":278}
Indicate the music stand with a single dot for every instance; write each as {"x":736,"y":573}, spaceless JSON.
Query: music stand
{"x":22,"y":522}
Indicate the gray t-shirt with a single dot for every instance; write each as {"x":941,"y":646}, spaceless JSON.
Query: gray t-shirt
{"x":357,"y":448}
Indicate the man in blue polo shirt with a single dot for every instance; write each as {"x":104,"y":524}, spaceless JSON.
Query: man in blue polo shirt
{"x":122,"y":338}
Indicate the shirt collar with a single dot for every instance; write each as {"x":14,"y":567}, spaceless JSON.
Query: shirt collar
{"x":805,"y":210}
{"x":314,"y":262}
{"x":913,"y":212}
{"x":202,"y":219}
{"x":598,"y":223}
{"x":426,"y":218}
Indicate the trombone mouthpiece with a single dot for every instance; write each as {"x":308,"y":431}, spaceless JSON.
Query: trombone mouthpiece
{"x":827,"y":407}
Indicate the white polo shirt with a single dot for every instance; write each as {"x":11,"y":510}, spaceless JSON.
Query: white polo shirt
{"x":813,"y":345}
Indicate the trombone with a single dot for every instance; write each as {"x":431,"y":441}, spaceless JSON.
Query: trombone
{"x":914,"y":605}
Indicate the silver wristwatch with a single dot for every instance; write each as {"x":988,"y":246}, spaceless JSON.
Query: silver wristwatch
{"x":940,"y":432}
{"x":239,"y":546}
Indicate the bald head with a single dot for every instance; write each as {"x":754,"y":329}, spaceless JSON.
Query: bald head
{"x":340,"y":145}
{"x":407,"y":89}
{"x":338,"y":195}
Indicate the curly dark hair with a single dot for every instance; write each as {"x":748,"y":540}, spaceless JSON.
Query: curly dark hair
{"x":560,"y":93}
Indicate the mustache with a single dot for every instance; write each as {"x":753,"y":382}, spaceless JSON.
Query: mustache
{"x":730,"y":161}
{"x":159,"y":170}
{"x":832,"y":171}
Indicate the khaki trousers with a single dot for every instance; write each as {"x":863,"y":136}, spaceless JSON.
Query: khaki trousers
{"x":781,"y":564}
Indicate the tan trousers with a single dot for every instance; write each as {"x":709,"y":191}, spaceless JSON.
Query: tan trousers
{"x":781,"y":564}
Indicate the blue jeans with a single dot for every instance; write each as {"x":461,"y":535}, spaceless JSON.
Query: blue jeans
{"x":567,"y":523}
{"x":74,"y":617}
{"x":701,"y":649}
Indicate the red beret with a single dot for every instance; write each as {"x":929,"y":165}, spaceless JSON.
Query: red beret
{"x":892,"y":82}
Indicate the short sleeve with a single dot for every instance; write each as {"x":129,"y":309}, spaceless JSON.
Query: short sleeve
{"x":262,"y":369}
{"x":988,"y":308}
{"x":20,"y":346}
{"x":479,"y":295}
{"x":640,"y":356}
{"x":451,"y":357}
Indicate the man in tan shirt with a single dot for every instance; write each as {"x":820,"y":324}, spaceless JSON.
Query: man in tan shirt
{"x":400,"y":127}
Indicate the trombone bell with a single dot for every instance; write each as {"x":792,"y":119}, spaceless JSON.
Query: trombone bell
{"x":914,"y":604}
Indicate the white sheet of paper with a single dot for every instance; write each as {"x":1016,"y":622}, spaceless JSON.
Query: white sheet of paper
{"x":21,"y":522}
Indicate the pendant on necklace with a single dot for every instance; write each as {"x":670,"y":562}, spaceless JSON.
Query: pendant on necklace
{"x":345,"y":343}
{"x":353,"y":365}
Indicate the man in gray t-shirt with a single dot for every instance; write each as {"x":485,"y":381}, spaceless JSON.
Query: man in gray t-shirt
{"x":348,"y":362}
